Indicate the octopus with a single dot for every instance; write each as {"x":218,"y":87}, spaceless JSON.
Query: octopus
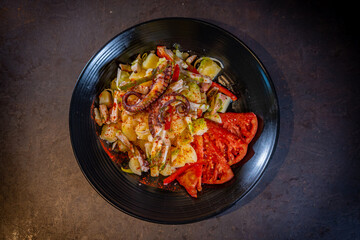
{"x":156,"y":116}
{"x":160,"y":84}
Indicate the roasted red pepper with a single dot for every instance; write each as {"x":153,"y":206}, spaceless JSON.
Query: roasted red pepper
{"x":176,"y":73}
{"x":224,"y":91}
{"x":179,"y":171}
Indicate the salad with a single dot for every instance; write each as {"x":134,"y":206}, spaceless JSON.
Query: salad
{"x":167,"y":113}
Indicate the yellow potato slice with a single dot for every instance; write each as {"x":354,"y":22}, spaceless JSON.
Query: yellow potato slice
{"x":134,"y":165}
{"x":187,"y":154}
{"x":108,"y":132}
{"x":150,"y":61}
{"x":128,"y":129}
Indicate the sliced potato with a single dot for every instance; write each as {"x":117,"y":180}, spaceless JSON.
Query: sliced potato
{"x":199,"y":126}
{"x":125,"y":117}
{"x":187,"y":155}
{"x":209,"y":68}
{"x":128,"y":129}
{"x":105,"y":98}
{"x":154,"y":171}
{"x":168,"y":170}
{"x":108,"y":132}
{"x":142,"y":130}
{"x":150,"y":61}
{"x":134,"y":165}
{"x":138,"y":75}
{"x":177,"y":126}
{"x":193,"y":94}
{"x":184,"y":138}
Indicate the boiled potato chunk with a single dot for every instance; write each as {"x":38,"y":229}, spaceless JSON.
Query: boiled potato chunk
{"x":193,"y":94}
{"x":177,"y":126}
{"x":126,"y":117}
{"x":142,"y":131}
{"x":141,"y":117}
{"x":105,"y":98}
{"x":108,"y":132}
{"x":128,"y":129}
{"x":209,"y":68}
{"x":134,"y":165}
{"x":184,"y":138}
{"x":199,"y":126}
{"x":186,"y":154}
{"x":168,"y":170}
{"x":150,"y":61}
{"x":154,"y":171}
{"x":138,"y":75}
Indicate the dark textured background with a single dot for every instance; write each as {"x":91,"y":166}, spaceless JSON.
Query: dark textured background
{"x":311,"y":188}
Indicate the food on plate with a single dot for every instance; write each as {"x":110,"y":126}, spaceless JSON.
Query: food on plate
{"x":166,"y":112}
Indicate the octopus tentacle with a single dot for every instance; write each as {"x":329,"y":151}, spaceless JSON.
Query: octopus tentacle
{"x":127,"y":95}
{"x":159,"y":86}
{"x":156,"y":118}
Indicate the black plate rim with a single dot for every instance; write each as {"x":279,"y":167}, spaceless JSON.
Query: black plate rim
{"x":264,"y":166}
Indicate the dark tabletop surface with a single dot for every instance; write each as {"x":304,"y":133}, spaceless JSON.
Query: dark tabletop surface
{"x":311,"y":187}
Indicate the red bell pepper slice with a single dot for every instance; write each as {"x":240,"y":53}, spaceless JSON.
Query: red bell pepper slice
{"x":176,"y":73}
{"x":179,"y":171}
{"x":224,"y":91}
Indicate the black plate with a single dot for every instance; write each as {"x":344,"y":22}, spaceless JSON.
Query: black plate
{"x":246,"y":77}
